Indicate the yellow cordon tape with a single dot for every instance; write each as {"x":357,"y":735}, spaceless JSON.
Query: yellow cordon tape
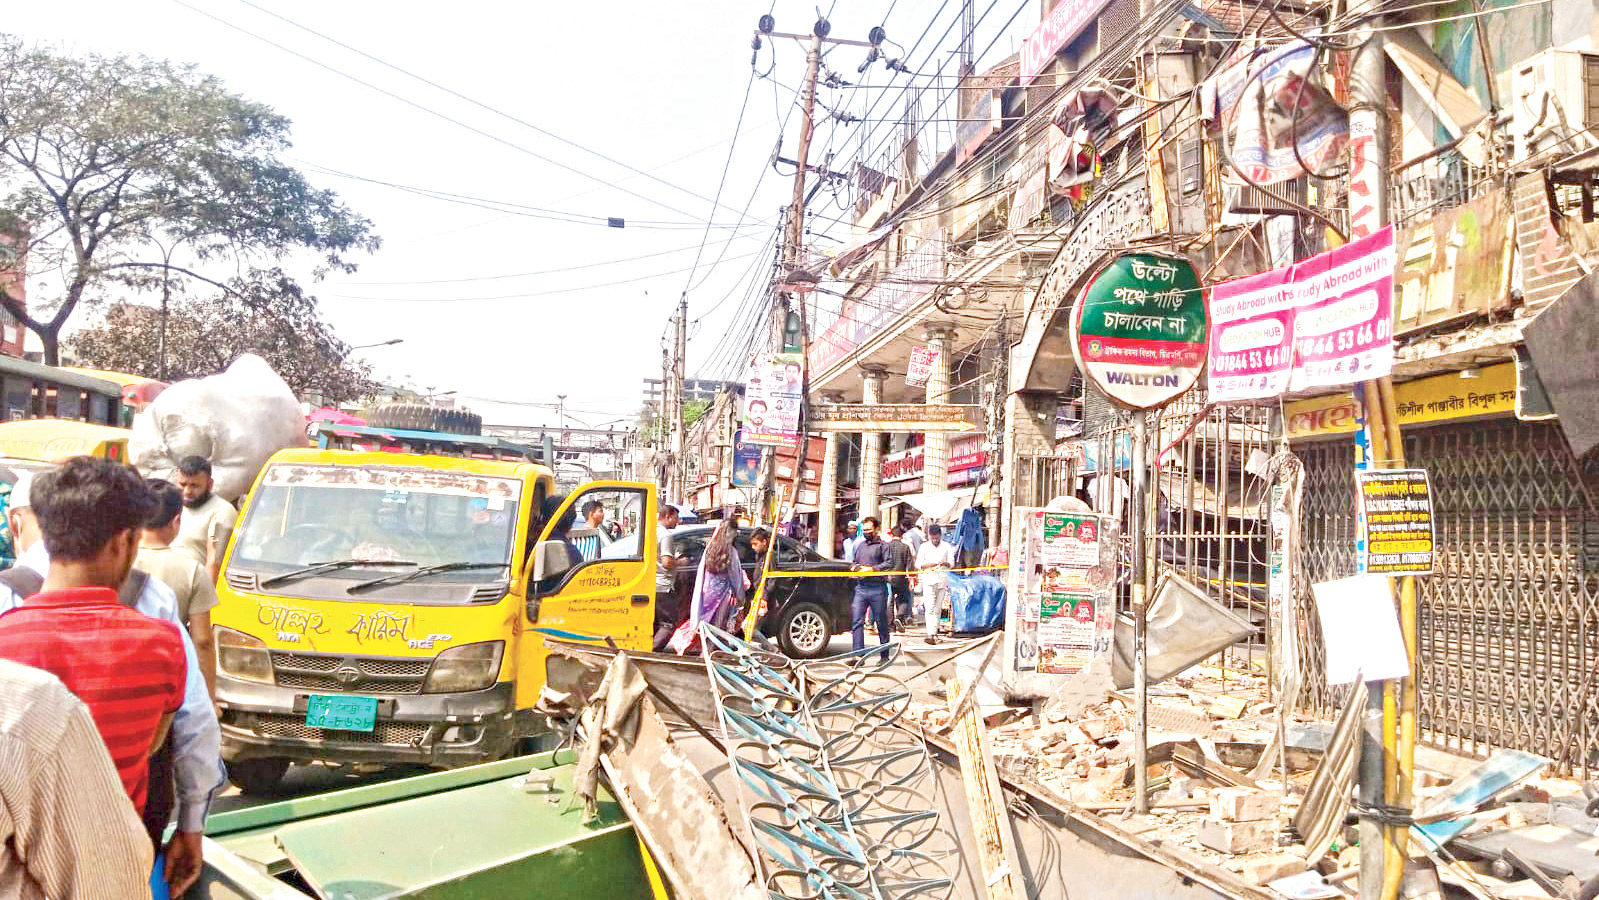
{"x":760,"y":587}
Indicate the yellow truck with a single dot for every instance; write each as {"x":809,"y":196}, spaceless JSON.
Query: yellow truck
{"x":382,"y":608}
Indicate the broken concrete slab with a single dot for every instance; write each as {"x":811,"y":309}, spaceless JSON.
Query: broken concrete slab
{"x":1241,"y":804}
{"x":1238,"y":837}
{"x":1264,"y":869}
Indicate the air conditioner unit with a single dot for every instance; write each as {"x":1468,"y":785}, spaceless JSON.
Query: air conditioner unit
{"x":1250,"y":199}
{"x":1554,"y":96}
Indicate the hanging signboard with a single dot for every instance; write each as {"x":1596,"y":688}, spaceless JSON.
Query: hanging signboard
{"x":1325,"y":321}
{"x":746,"y":462}
{"x":1397,"y":506}
{"x":921,"y":366}
{"x":1139,"y":329}
{"x":1280,"y":121}
{"x":772,"y":395}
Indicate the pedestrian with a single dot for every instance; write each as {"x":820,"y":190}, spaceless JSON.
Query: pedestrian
{"x":871,"y":592}
{"x":67,"y":828}
{"x":933,"y":562}
{"x":588,"y":545}
{"x":914,"y":536}
{"x":207,"y":518}
{"x":666,"y":560}
{"x":186,"y":771}
{"x":128,"y":668}
{"x":852,"y":536}
{"x":196,"y":593}
{"x":901,"y":559}
{"x":719,"y":589}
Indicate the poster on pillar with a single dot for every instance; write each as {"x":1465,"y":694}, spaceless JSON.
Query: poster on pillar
{"x":773,"y":391}
{"x":1063,"y":577}
{"x":1139,"y":329}
{"x":920,"y":367}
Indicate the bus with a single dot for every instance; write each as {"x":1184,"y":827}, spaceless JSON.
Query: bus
{"x":30,"y":390}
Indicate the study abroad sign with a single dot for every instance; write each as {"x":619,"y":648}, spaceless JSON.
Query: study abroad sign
{"x":1139,"y":329}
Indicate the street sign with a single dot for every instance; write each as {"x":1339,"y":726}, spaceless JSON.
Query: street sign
{"x":894,"y":417}
{"x":1139,"y":329}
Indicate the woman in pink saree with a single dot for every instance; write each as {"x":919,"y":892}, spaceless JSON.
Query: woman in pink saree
{"x":719,"y":589}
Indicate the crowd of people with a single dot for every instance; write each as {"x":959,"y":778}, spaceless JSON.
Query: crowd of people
{"x":108,"y":728}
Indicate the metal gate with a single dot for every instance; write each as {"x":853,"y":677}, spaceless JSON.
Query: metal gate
{"x":1510,"y":622}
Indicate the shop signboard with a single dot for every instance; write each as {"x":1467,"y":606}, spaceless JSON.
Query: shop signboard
{"x":1397,"y":507}
{"x":1060,"y":26}
{"x":1325,"y":321}
{"x":1139,"y":329}
{"x":772,"y":395}
{"x":911,"y":417}
{"x":1439,"y":398}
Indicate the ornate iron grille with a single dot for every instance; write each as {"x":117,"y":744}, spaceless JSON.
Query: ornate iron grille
{"x":1510,"y":622}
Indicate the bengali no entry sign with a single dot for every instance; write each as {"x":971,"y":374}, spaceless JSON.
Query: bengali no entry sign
{"x":1139,"y":329}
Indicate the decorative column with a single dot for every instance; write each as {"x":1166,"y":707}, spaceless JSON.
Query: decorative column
{"x":827,"y":492}
{"x":935,"y":445}
{"x":871,"y":444}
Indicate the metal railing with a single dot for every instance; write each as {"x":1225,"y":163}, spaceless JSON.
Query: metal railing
{"x":1429,"y":186}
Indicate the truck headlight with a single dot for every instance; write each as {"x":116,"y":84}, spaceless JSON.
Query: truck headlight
{"x":469,"y":668}
{"x":243,"y":657}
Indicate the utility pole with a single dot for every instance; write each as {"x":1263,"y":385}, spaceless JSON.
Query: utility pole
{"x":1385,"y":755}
{"x":679,"y":433}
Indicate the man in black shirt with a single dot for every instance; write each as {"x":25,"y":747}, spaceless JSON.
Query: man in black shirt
{"x":871,"y":592}
{"x":903,"y":559}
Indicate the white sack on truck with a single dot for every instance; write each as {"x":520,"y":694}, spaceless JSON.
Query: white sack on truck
{"x":236,"y":419}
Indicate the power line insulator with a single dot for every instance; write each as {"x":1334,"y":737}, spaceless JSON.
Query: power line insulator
{"x":766,"y":24}
{"x":876,"y":36}
{"x":821,"y":28}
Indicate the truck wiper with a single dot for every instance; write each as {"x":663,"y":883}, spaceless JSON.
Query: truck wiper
{"x":333,"y":566}
{"x":425,"y":570}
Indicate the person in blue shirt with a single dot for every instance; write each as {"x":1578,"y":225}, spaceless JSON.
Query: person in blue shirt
{"x":871,"y":592}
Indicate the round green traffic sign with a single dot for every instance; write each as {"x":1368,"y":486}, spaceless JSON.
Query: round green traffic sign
{"x":1139,"y":329}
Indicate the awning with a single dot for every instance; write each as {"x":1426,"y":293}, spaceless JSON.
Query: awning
{"x":1453,"y":103}
{"x":940,"y":506}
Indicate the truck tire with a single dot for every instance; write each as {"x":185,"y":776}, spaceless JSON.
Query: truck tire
{"x":421,"y":417}
{"x":259,"y":777}
{"x":803,"y":631}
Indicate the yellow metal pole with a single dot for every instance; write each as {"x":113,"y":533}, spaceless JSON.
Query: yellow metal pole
{"x":1403,"y":764}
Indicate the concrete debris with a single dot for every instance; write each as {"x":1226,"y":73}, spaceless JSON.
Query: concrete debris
{"x":1239,"y":804}
{"x":1263,"y":869}
{"x":1238,"y":837}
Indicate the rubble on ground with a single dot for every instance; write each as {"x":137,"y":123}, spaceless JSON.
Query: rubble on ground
{"x":1213,"y":798}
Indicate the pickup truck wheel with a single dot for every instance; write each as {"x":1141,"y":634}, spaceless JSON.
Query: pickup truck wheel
{"x":258,"y":776}
{"x":804,"y":630}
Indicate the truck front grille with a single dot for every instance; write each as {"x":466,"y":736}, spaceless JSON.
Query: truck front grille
{"x":375,"y":675}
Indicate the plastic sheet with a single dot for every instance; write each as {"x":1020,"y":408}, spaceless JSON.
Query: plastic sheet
{"x":236,"y":419}
{"x":977,"y":603}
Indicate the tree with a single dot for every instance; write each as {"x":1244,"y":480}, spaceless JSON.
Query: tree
{"x":265,"y":313}
{"x":108,"y":164}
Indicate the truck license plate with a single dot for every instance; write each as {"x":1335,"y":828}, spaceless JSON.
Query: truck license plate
{"x":342,"y":713}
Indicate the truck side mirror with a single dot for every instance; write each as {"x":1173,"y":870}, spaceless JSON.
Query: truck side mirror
{"x":550,"y":559}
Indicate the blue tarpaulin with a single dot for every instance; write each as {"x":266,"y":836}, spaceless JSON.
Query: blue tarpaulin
{"x":976,"y":603}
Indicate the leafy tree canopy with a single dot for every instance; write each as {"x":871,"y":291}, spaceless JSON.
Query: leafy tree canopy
{"x":111,"y":168}
{"x":265,"y":313}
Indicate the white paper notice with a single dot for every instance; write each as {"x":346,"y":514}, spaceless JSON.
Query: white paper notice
{"x":1360,"y":629}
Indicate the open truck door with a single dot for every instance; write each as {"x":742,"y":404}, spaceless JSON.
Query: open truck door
{"x":582,"y":586}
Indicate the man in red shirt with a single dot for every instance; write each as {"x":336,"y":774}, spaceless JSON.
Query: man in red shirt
{"x":128,"y":668}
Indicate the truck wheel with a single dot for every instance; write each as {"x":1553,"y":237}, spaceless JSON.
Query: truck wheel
{"x":258,"y":776}
{"x":420,"y":417}
{"x":803,"y":631}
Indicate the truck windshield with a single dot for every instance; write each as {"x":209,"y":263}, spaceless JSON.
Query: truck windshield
{"x":305,"y":516}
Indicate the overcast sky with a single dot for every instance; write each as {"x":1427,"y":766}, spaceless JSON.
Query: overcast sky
{"x":511,"y":308}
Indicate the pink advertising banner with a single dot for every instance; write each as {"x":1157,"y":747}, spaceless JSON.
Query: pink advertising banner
{"x":1059,"y":26}
{"x":1325,"y":321}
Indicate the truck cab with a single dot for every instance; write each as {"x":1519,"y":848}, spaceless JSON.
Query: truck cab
{"x":385,"y":608}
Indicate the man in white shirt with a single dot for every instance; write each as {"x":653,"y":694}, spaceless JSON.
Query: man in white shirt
{"x":933,"y":562}
{"x":207,"y":518}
